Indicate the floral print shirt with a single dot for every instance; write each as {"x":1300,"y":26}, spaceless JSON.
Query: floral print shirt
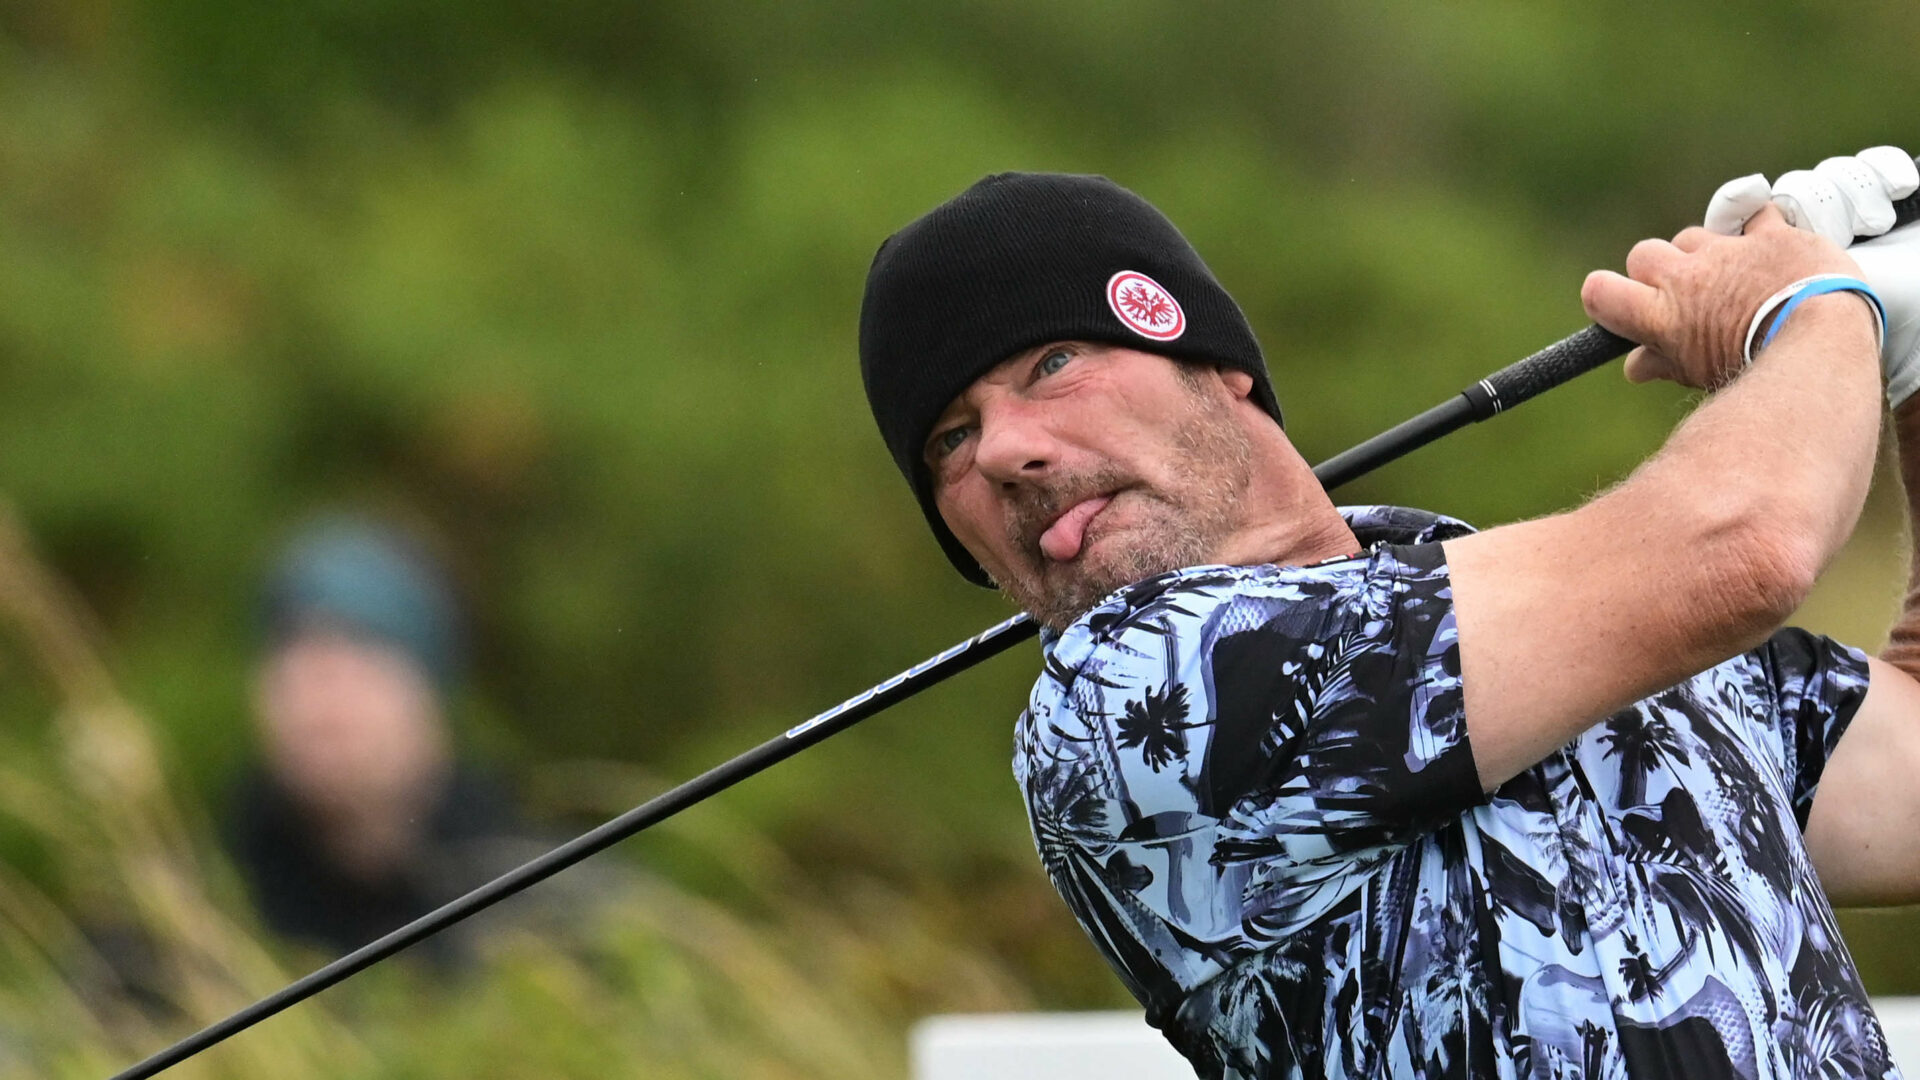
{"x":1253,"y":787}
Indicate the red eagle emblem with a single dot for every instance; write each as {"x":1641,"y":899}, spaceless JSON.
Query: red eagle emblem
{"x":1146,"y":307}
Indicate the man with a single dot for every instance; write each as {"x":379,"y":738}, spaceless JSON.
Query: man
{"x":358,"y":818}
{"x":1365,"y":792}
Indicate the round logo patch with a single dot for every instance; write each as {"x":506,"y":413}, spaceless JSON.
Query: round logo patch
{"x":1143,"y":305}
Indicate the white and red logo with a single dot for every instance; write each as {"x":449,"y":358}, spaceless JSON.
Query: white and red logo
{"x":1142,"y":304}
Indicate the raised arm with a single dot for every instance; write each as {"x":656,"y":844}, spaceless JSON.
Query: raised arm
{"x":1710,"y":544}
{"x":1864,"y":831}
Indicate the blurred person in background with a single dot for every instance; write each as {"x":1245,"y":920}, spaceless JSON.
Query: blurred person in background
{"x":358,"y":815}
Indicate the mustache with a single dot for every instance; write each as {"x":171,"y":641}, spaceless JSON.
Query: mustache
{"x":1035,"y":508}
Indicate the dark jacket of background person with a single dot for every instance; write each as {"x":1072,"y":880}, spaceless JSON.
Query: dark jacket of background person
{"x":304,"y":895}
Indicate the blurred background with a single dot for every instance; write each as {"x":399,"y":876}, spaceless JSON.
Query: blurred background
{"x":559,"y":300}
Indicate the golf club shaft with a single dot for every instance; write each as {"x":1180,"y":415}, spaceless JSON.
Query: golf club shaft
{"x":1575,"y":354}
{"x":1502,"y":390}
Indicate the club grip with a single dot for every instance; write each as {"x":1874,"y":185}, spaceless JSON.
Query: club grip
{"x":1906,"y":211}
{"x":1575,"y":354}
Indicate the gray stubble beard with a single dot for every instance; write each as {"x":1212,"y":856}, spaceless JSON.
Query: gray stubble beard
{"x":1213,"y":469}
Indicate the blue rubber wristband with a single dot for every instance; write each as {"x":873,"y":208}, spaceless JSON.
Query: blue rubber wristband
{"x":1817,"y":286}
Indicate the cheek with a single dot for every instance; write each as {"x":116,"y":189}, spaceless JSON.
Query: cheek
{"x":974,"y":517}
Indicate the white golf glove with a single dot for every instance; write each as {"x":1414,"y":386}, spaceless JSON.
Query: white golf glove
{"x":1891,"y":264}
{"x":1841,"y":198}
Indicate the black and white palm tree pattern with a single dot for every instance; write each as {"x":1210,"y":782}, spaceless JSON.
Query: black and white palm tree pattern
{"x":1253,"y":787}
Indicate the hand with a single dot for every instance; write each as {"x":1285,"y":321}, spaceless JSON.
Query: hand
{"x":1689,"y":302}
{"x":1842,"y":198}
{"x":1891,"y":264}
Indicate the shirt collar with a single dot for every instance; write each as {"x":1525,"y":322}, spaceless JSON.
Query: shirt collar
{"x":1375,"y":526}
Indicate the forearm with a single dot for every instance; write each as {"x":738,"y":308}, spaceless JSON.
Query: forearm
{"x":1710,"y":545}
{"x":1903,"y":643}
{"x":1864,"y":831}
{"x":1786,"y":449}
{"x":1696,"y":557}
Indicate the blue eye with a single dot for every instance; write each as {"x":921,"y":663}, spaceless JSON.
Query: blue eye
{"x":1053,"y":361}
{"x":949,"y":440}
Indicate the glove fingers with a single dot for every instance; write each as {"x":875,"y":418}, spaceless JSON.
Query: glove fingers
{"x":1735,"y":202}
{"x":1865,"y":193}
{"x":1896,"y":169}
{"x":1813,"y":202}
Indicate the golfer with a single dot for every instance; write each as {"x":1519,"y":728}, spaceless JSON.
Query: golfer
{"x":1361,"y":792}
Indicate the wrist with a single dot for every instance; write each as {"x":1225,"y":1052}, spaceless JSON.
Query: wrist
{"x":1824,"y":293}
{"x":1844,"y":323}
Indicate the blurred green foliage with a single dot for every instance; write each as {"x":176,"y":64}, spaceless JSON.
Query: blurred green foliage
{"x":572,"y":287}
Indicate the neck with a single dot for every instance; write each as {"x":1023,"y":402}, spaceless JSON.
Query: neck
{"x":1290,"y":520}
{"x":377,"y":833}
{"x":370,"y":848}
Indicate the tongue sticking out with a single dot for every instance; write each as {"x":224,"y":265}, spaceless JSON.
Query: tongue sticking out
{"x":1062,"y":541}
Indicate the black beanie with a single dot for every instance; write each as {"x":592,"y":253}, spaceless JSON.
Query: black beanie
{"x":1014,"y":262}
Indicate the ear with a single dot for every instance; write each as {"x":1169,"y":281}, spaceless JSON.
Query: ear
{"x":1238,"y":382}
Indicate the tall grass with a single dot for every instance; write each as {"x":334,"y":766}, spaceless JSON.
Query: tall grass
{"x":764,"y":971}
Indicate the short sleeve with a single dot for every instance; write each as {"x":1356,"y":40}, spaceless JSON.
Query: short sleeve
{"x":1818,"y":685}
{"x":1362,"y":727}
{"x":1214,"y":758}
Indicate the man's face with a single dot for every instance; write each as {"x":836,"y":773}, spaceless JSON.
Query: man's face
{"x":350,"y":726}
{"x":1071,"y":470}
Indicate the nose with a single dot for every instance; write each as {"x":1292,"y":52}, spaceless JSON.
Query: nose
{"x":1016,"y":445}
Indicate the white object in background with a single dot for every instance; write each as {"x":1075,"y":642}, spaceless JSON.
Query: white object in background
{"x":1043,"y":1046}
{"x":1120,"y":1045}
{"x":1900,"y":1019}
